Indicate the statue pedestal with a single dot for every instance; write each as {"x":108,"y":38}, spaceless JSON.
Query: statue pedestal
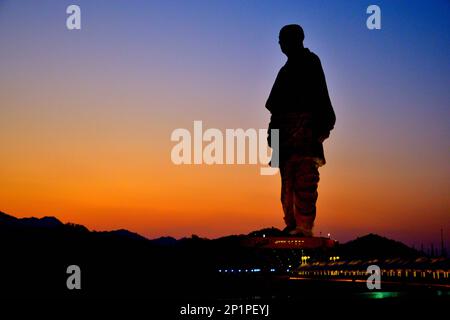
{"x":289,"y":242}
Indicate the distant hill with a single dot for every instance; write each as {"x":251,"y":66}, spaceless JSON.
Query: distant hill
{"x":45,"y":222}
{"x":375,"y":246}
{"x":10,"y":222}
{"x":268,"y":232}
{"x":165,"y":241}
{"x":125,"y":234}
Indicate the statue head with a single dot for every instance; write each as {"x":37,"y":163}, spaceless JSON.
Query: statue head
{"x":291,"y":39}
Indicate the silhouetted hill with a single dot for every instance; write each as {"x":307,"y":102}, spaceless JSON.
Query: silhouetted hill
{"x":268,"y":232}
{"x":45,"y":222}
{"x":375,"y":246}
{"x":165,"y":241}
{"x":10,"y":222}
{"x":126,"y":234}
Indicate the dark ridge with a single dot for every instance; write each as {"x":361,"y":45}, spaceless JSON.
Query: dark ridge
{"x":126,"y":234}
{"x":164,"y":241}
{"x":32,"y":222}
{"x":268,"y":232}
{"x":375,"y":246}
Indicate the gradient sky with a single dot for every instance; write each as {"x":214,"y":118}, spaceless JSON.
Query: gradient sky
{"x":86,"y":116}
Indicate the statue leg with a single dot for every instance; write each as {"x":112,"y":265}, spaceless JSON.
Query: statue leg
{"x":306,"y":179}
{"x":287,"y":194}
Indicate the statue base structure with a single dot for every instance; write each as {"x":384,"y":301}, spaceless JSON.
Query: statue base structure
{"x":271,"y":242}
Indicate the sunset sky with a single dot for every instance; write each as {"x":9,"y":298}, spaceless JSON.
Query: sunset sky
{"x":86,"y":115}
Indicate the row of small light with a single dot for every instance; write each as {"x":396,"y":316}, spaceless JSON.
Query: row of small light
{"x":247,"y":270}
{"x":240,"y":270}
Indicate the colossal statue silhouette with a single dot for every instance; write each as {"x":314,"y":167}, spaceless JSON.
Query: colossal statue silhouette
{"x":301,"y":110}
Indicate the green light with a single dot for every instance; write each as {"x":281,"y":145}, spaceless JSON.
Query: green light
{"x":381,"y":295}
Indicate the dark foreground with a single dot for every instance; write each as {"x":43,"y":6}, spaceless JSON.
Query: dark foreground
{"x":170,"y":277}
